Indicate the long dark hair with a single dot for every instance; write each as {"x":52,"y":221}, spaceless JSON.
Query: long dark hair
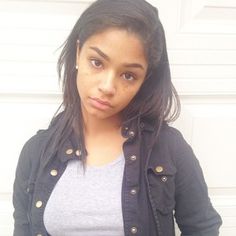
{"x":156,"y":101}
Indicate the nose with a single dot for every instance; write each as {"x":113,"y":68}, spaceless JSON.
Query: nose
{"x":107,"y":84}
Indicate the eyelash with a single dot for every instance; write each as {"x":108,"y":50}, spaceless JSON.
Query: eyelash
{"x":130,"y":74}
{"x":93,"y":62}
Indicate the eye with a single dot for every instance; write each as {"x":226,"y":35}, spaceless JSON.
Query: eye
{"x":96,"y":63}
{"x":128,"y":76}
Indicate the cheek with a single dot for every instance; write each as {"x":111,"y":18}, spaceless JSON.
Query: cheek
{"x":128,"y":94}
{"x":78,"y":83}
{"x":82,"y":74}
{"x":81,"y":82}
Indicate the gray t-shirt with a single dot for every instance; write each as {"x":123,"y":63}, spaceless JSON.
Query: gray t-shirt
{"x":87,"y":204}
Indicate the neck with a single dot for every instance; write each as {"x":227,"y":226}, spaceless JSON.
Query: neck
{"x":96,"y":127}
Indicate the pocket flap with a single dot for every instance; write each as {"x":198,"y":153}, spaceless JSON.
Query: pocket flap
{"x":163,"y":169}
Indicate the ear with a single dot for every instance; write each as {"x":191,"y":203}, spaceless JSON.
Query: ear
{"x":77,"y":53}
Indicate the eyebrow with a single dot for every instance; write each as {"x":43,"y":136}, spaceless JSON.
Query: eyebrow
{"x":107,"y":58}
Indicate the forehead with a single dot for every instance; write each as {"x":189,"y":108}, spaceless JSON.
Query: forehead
{"x":118,"y":43}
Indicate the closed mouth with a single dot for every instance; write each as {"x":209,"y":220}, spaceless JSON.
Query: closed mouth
{"x":102,"y":101}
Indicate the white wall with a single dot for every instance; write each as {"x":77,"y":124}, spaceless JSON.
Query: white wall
{"x":201,"y":39}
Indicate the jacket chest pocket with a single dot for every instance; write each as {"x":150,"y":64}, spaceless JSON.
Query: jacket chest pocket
{"x":162,"y":187}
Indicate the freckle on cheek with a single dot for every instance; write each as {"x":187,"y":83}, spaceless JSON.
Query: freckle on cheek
{"x":126,"y":86}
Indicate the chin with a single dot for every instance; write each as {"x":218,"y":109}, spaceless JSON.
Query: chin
{"x":98,"y":114}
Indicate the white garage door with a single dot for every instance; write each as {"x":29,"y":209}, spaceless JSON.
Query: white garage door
{"x":201,"y":39}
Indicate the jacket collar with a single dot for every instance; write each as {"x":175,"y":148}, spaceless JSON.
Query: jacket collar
{"x":71,"y":151}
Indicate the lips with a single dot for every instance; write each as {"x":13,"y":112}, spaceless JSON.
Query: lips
{"x":100,"y":104}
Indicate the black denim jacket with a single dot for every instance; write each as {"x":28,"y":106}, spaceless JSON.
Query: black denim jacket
{"x":160,"y":183}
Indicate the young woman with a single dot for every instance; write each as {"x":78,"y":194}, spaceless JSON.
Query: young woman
{"x":109,"y":164}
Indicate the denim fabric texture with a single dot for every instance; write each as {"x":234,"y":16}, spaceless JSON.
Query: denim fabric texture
{"x":161,"y":183}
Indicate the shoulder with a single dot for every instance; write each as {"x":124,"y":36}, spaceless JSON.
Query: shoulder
{"x":169,"y":139}
{"x":31,"y":151}
{"x":167,"y":133}
{"x":173,"y":139}
{"x":170,"y":132}
{"x":171,"y":147}
{"x":179,"y":150}
{"x":34,"y":143}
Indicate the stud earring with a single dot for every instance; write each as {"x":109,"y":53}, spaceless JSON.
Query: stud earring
{"x":76,"y":67}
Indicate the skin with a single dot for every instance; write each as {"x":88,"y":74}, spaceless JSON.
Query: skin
{"x":111,"y":69}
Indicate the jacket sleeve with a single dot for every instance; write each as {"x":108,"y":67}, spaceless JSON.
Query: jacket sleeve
{"x":194,"y":212}
{"x":22,"y":190}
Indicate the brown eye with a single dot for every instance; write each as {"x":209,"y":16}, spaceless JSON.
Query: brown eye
{"x":128,"y":76}
{"x":96,"y":63}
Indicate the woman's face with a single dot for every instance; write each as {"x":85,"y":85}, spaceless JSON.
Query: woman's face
{"x":111,"y":69}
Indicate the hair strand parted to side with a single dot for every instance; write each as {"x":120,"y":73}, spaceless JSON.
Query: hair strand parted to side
{"x":156,"y":101}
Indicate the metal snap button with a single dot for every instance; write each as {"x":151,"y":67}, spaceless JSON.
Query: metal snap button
{"x":164,"y":178}
{"x":53,"y":172}
{"x":133,"y":191}
{"x":69,"y":151}
{"x":159,"y":169}
{"x":39,"y":204}
{"x":133,"y":158}
{"x":78,"y":153}
{"x":134,"y":230}
{"x":131,"y":133}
